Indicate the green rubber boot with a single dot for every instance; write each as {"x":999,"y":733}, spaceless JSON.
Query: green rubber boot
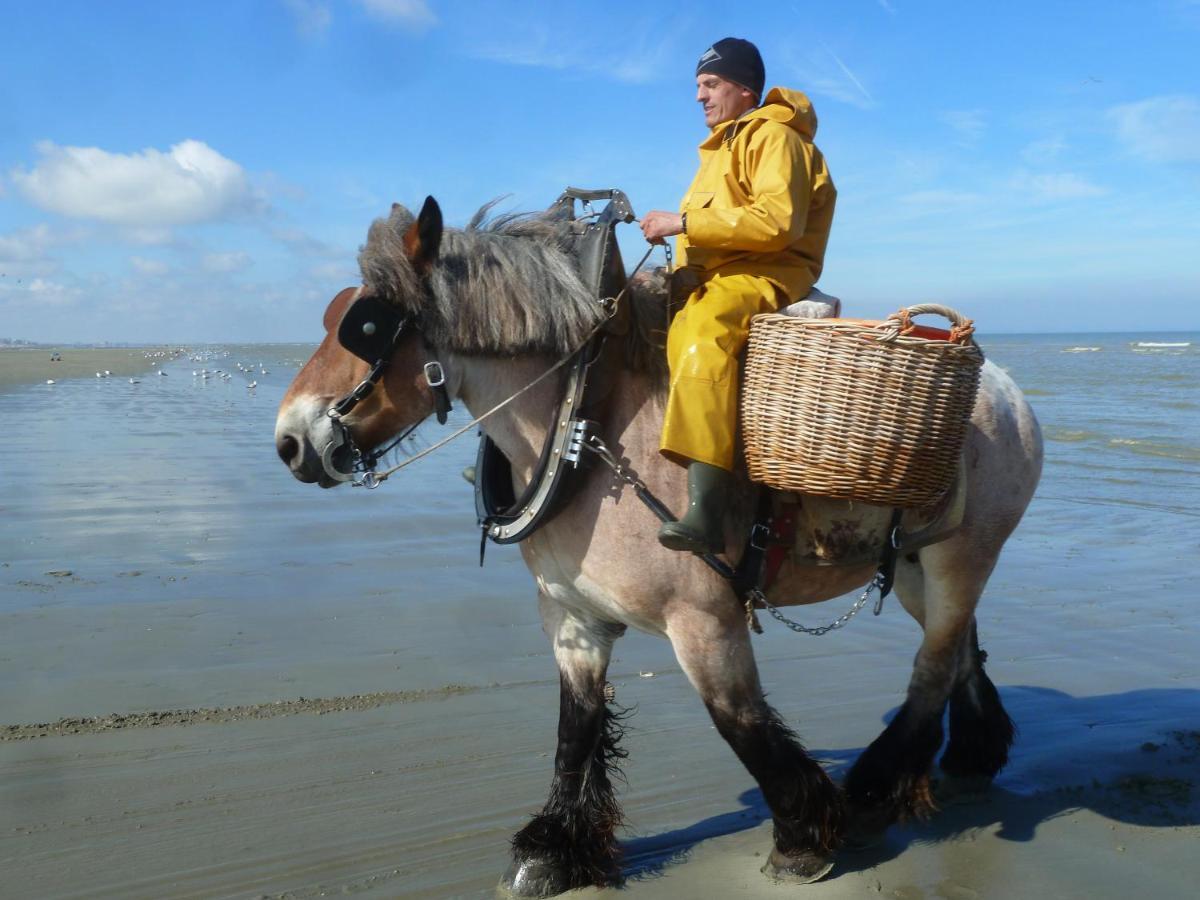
{"x":702,"y":528}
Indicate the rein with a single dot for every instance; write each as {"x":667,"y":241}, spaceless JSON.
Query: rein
{"x":372,"y":479}
{"x":364,"y":463}
{"x":360,"y":333}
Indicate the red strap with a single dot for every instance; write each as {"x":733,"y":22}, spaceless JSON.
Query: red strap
{"x":779,"y":547}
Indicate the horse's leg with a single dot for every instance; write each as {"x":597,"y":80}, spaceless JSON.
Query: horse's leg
{"x":890,"y":780}
{"x":716,"y":655}
{"x":571,"y":842}
{"x":981,"y":731}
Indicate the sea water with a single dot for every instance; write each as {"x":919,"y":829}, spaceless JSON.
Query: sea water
{"x":172,"y":560}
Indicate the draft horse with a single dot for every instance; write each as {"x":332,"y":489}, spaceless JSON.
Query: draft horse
{"x":494,"y":305}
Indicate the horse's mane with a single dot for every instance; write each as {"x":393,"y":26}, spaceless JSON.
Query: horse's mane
{"x":505,"y":285}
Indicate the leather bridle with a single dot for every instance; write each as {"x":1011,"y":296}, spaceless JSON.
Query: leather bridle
{"x":372,"y":329}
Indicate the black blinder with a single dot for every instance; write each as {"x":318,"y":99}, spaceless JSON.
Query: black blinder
{"x":370,"y":329}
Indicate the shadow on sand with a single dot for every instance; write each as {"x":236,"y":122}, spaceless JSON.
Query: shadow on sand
{"x":1132,"y":758}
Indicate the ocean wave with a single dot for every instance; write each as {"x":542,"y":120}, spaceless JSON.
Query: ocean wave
{"x":1069,"y":435}
{"x":1157,"y":448}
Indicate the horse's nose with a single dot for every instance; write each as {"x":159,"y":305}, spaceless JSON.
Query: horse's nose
{"x":288,"y":448}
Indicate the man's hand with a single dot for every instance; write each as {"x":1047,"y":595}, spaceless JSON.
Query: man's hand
{"x":657,"y":225}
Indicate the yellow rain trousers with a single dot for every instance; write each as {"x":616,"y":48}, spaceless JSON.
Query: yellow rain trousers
{"x":758,"y":217}
{"x":703,"y":345}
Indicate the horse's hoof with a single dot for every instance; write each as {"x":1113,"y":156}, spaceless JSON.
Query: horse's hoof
{"x":803,"y":868}
{"x":532,"y":878}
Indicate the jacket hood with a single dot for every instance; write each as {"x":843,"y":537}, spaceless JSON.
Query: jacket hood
{"x":792,"y":108}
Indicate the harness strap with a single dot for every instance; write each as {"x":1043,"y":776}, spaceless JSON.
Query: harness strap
{"x":435,"y":377}
{"x":750,"y":566}
{"x":891,"y":547}
{"x":746,"y":577}
{"x":362,"y":390}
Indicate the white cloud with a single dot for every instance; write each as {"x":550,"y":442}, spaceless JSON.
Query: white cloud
{"x":822,"y":72}
{"x":968,"y":124}
{"x":1160,"y":129}
{"x":304,"y":244}
{"x":412,"y":14}
{"x":888,"y":7}
{"x":52,"y":293}
{"x":312,"y":16}
{"x":149,"y":266}
{"x":337,"y":272}
{"x":29,"y":243}
{"x":1043,"y":151}
{"x":27,"y":252}
{"x":191,"y":183}
{"x":149,"y":237}
{"x":534,"y":45}
{"x":1056,"y":186}
{"x":232,"y":261}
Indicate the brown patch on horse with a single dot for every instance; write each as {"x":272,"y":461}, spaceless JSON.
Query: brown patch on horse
{"x":337,"y":308}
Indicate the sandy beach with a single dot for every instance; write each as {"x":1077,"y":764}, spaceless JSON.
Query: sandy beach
{"x":36,"y":365}
{"x":215,"y":682}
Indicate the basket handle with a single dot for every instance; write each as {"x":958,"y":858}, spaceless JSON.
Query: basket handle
{"x":901,"y":323}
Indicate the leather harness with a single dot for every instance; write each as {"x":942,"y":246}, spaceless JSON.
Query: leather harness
{"x":371,"y":329}
{"x":504,"y":518}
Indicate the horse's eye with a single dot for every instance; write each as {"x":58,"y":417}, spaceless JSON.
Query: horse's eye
{"x":368,"y":328}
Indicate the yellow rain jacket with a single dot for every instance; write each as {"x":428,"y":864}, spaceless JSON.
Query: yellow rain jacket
{"x":758,"y":217}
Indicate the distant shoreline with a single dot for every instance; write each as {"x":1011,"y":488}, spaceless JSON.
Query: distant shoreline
{"x":314,"y":339}
{"x":34,"y":365}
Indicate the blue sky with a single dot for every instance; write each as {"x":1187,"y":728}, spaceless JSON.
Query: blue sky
{"x":205,"y":172}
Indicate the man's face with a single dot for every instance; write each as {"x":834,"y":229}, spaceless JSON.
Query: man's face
{"x":722,"y":99}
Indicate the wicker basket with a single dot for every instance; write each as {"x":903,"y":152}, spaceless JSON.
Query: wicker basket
{"x":868,"y":411}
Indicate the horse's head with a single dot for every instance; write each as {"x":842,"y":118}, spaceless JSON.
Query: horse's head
{"x":369,"y":340}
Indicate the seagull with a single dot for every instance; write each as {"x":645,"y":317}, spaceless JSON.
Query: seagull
{"x":49,"y":381}
{"x":132,"y":381}
{"x":252,"y":385}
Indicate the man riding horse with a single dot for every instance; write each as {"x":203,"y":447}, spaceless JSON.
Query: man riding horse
{"x":752,"y":231}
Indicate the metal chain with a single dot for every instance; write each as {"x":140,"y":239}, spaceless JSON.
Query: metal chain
{"x":597,"y":446}
{"x":757,"y":596}
{"x":754,"y":596}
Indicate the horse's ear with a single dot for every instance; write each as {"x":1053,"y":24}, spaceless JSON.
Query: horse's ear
{"x":424,"y":236}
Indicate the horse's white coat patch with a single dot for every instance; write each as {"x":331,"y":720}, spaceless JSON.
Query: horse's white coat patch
{"x":305,"y":417}
{"x":576,"y":591}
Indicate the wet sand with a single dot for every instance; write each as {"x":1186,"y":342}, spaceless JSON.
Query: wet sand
{"x":215,"y":682}
{"x":34,"y":365}
{"x":415,"y":795}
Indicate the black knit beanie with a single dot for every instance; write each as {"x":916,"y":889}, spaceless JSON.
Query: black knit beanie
{"x":736,"y":60}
